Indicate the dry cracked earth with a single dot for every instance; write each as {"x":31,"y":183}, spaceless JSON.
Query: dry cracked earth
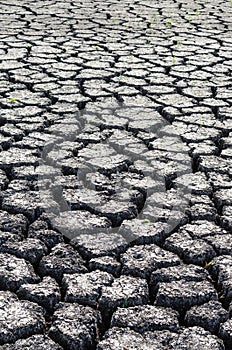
{"x":115,"y":175}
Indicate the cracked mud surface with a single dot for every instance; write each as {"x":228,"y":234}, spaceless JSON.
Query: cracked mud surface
{"x":115,"y":175}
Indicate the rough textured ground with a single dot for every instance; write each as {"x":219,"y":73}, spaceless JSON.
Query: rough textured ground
{"x":115,"y":174}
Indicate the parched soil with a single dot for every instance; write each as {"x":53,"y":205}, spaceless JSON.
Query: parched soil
{"x":115,"y":175}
